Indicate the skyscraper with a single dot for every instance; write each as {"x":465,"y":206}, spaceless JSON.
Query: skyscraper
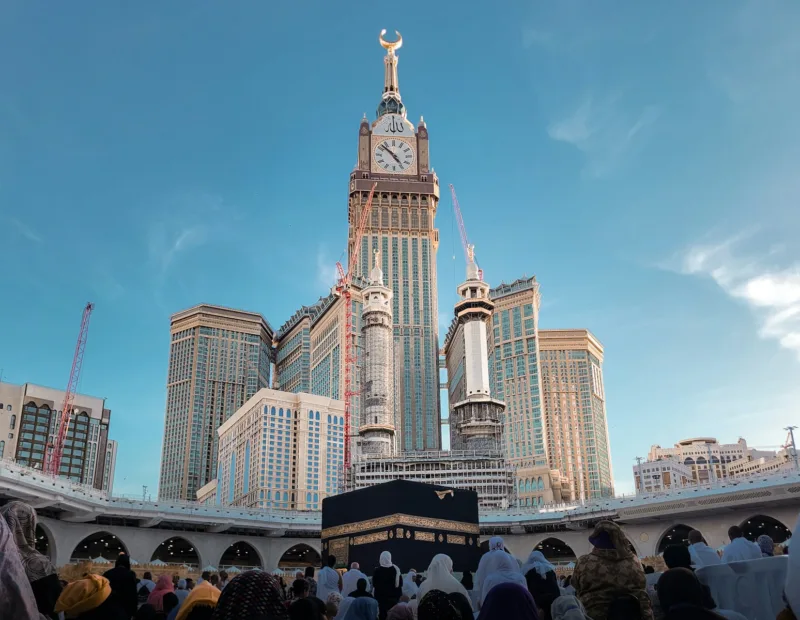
{"x":575,"y":410}
{"x":514,"y":370}
{"x":394,"y":153}
{"x":218,"y":359}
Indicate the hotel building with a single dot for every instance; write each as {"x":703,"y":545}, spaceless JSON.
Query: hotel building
{"x":30,"y":416}
{"x":219,"y":358}
{"x":280,"y":450}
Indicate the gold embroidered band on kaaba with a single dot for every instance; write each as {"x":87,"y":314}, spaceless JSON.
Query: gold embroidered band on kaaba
{"x":401,"y":519}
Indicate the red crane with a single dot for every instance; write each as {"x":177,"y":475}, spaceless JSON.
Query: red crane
{"x":56,"y":449}
{"x":343,"y":288}
{"x":464,"y":242}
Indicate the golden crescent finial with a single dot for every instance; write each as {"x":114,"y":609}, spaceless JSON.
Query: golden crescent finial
{"x":391,"y":46}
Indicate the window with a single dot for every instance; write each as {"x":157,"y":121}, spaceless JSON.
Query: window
{"x":2,"y":448}
{"x":13,"y":423}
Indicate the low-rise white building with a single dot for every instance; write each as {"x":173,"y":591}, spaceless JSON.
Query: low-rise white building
{"x":281,"y":450}
{"x":783,"y":460}
{"x":708,"y":459}
{"x":661,"y":475}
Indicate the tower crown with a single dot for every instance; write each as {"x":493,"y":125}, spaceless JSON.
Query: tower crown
{"x":391,"y":103}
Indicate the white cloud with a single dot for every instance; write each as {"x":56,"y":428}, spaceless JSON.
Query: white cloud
{"x":772,"y":292}
{"x":603,"y":133}
{"x":26,"y":232}
{"x":327,"y":275}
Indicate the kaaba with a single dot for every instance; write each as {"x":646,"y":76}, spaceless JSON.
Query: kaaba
{"x":411,"y":520}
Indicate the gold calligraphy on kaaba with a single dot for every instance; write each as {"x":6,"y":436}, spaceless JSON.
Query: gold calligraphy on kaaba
{"x":426,"y":536}
{"x":454,"y":539}
{"x":340,"y":549}
{"x":370,"y":538}
{"x":404,"y":520}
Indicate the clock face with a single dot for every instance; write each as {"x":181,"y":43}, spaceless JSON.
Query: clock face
{"x":393,"y":155}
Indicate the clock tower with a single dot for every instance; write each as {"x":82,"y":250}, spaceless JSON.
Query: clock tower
{"x":393,"y":153}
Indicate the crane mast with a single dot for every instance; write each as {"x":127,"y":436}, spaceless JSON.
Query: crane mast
{"x":469,"y":252}
{"x":343,"y":288}
{"x":56,"y":449}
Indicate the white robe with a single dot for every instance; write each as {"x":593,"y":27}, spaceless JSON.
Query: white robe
{"x":350,"y":580}
{"x":499,"y":567}
{"x":703,"y":555}
{"x":739,"y":550}
{"x":439,"y":576}
{"x":327,"y":583}
{"x":410,"y":588}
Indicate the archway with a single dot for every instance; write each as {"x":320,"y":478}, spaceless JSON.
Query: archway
{"x":676,"y":535}
{"x":757,"y":525}
{"x":98,"y":545}
{"x":176,"y":550}
{"x":299,"y":556}
{"x":556,"y":550}
{"x":241,"y":555}
{"x":43,"y":542}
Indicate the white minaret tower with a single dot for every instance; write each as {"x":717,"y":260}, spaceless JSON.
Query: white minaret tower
{"x":377,"y":428}
{"x":478,"y":418}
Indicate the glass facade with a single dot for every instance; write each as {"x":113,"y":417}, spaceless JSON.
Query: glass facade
{"x":514,"y":370}
{"x":219,"y":360}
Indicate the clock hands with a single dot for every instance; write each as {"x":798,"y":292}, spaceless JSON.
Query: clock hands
{"x":388,"y":150}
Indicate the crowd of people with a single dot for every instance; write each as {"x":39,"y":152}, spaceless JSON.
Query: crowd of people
{"x":609,"y":583}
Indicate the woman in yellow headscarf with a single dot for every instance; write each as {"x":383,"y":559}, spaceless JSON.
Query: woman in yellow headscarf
{"x":203,"y":595}
{"x":89,"y":599}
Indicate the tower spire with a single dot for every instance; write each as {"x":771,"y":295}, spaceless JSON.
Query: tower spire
{"x":391,"y":102}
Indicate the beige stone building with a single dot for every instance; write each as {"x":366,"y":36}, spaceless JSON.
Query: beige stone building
{"x":280,"y":450}
{"x":219,"y":358}
{"x":571,"y":364}
{"x":30,"y":416}
{"x":661,"y":475}
{"x":540,"y":486}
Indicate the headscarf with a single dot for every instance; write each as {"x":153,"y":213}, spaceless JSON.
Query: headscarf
{"x":496,"y":544}
{"x":401,"y":611}
{"x":203,"y":594}
{"x":410,"y":588}
{"x":310,"y":608}
{"x":681,"y":595}
{"x":251,"y":593}
{"x":609,"y":535}
{"x":440,"y":577}
{"x":568,"y":607}
{"x":537,"y":561}
{"x":163,"y":585}
{"x":463,"y":604}
{"x":501,"y":568}
{"x":335,"y":598}
{"x":792,"y":588}
{"x":82,"y":596}
{"x":22,"y":520}
{"x":343,"y":607}
{"x":436,"y":605}
{"x":16,"y":596}
{"x":364,"y":608}
{"x":766,"y":545}
{"x":509,"y":601}
{"x":386,"y":562}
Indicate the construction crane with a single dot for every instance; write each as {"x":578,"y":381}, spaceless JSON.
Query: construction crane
{"x":469,"y":250}
{"x":343,"y":289}
{"x":56,"y":449}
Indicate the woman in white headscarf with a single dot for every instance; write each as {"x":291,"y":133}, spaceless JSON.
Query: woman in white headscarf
{"x":344,"y":605}
{"x":501,"y":567}
{"x":542,"y":582}
{"x":439,"y":576}
{"x":496,"y":546}
{"x":16,"y":595}
{"x":568,"y":607}
{"x":387,"y":584}
{"x":410,"y":587}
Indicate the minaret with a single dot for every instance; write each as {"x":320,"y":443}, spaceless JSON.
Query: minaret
{"x":477,"y":419}
{"x":377,"y":427}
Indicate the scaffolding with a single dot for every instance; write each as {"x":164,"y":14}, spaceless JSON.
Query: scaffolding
{"x":485,"y":472}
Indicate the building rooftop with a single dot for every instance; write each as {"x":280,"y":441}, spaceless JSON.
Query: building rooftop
{"x":232,"y":313}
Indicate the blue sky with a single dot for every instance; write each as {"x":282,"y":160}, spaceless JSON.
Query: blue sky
{"x":640,"y":158}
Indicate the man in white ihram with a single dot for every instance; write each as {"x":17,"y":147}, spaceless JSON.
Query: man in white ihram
{"x":740,"y":548}
{"x":701,"y":554}
{"x":350,"y":579}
